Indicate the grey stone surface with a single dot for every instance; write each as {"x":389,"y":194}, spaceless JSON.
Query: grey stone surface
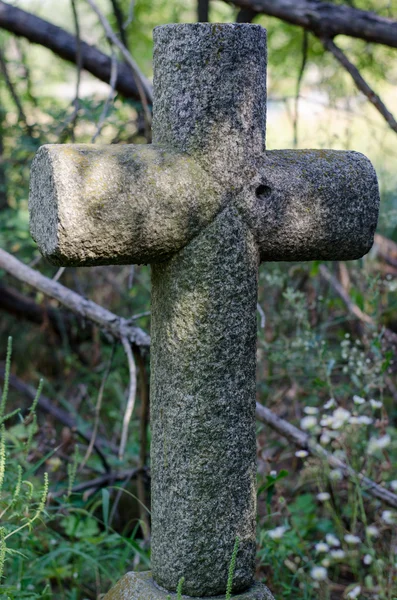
{"x":203,"y":409}
{"x":205,"y":204}
{"x":141,"y":586}
{"x":92,"y":205}
{"x":210,"y":95}
{"x":313,"y":205}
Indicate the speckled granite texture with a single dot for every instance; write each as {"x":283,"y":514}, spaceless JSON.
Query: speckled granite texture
{"x":203,"y":410}
{"x":140,"y":586}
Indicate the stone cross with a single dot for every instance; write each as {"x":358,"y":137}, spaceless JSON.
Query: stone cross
{"x":204,"y":205}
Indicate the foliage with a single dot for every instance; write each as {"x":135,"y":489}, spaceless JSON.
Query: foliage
{"x":319,"y":535}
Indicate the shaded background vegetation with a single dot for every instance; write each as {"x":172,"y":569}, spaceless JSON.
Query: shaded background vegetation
{"x":325,"y":331}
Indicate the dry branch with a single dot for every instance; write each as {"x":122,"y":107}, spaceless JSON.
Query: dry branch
{"x":360,"y":82}
{"x":388,"y":335}
{"x":62,"y":416}
{"x":326,"y":19}
{"x":301,"y":440}
{"x":64,"y":44}
{"x":116,"y":326}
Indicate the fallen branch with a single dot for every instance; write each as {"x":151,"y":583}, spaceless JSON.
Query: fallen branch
{"x":301,"y":439}
{"x":360,"y":82}
{"x":64,"y":44}
{"x":326,"y":19}
{"x":60,"y":415}
{"x":144,"y":87}
{"x":355,"y":310}
{"x":386,"y":248}
{"x":102,"y":481}
{"x":116,"y":326}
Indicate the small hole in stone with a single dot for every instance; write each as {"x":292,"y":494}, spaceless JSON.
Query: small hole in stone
{"x":263,"y":191}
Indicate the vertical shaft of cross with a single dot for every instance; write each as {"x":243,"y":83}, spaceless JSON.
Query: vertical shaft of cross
{"x":210,"y":101}
{"x":203,"y":410}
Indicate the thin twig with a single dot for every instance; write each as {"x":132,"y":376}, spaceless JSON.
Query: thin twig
{"x":13,"y":93}
{"x":116,"y":326}
{"x":112,"y":83}
{"x":340,"y":290}
{"x":301,"y":439}
{"x":47,"y":405}
{"x":131,"y":396}
{"x":130,"y":17}
{"x":299,"y":83}
{"x":120,"y":21}
{"x":98,"y":407}
{"x":59,"y":274}
{"x":100,"y":482}
{"x":79,"y":63}
{"x":360,"y":82}
{"x":143,"y":426}
{"x":144,"y":89}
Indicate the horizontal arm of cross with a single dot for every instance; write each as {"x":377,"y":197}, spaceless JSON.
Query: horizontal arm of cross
{"x":98,"y":205}
{"x":93,"y":205}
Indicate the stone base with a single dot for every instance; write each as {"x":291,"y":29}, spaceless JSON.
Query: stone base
{"x":140,"y":586}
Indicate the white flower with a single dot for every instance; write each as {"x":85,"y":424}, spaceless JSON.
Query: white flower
{"x":325,"y":438}
{"x":352,"y":539}
{"x":336,"y":475}
{"x":358,"y":400}
{"x":332,"y":540}
{"x":364,"y":420}
{"x":393,"y":485}
{"x":330,"y":404}
{"x":310,"y":410}
{"x":273,"y":473}
{"x":337,"y":554}
{"x":355,"y":592}
{"x":323,"y":496}
{"x":319,"y":573}
{"x":308,"y":422}
{"x":301,"y":453}
{"x":372,"y":531}
{"x":376,"y":404}
{"x":326,"y":421}
{"x":367,"y":560}
{"x":375,"y":444}
{"x":339,"y":417}
{"x":321,"y":547}
{"x":325,"y":562}
{"x":277,"y":533}
{"x":388,"y":517}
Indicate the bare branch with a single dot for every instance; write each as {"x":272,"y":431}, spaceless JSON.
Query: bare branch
{"x":145,"y":92}
{"x":131,"y":396}
{"x":100,"y":482}
{"x":120,"y":21}
{"x":298,"y":85}
{"x":301,"y":439}
{"x":47,"y":405}
{"x":340,"y":290}
{"x":143,"y":426}
{"x":112,"y":83}
{"x":116,"y":326}
{"x":203,"y":7}
{"x":360,"y":82}
{"x":79,"y":62}
{"x":13,"y":93}
{"x":64,"y":44}
{"x":326,"y":19}
{"x":98,"y":407}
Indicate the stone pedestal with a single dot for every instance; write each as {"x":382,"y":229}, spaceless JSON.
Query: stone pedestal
{"x":140,"y":586}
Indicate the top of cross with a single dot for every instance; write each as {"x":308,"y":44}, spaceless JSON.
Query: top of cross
{"x":141,"y":204}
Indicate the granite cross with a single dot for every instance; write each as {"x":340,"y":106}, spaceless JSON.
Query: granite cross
{"x":204,"y":204}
